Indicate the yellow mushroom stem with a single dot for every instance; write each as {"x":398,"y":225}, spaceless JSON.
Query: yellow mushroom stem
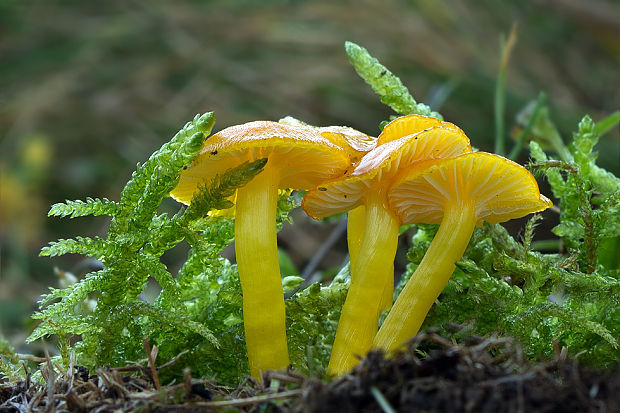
{"x":259,"y":272}
{"x":356,"y":224}
{"x":360,"y":314}
{"x":430,"y":278}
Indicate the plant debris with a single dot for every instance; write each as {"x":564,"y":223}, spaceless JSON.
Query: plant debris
{"x":433,"y":375}
{"x":486,"y":375}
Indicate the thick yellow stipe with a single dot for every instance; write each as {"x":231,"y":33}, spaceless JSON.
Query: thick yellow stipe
{"x":356,"y":224}
{"x":369,"y":279}
{"x":428,"y":281}
{"x":259,"y":271}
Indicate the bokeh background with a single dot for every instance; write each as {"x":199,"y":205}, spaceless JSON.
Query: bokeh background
{"x":88,"y":89}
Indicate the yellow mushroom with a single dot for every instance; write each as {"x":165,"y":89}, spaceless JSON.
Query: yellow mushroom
{"x":298,"y":158}
{"x":406,"y":125}
{"x":372,"y":274}
{"x":396,"y":129}
{"x":357,"y":145}
{"x":458,"y":193}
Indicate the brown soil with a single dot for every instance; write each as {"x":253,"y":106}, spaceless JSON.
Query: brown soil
{"x":433,"y":375}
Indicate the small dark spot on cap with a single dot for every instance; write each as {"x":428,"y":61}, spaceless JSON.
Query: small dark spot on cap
{"x":214,"y":153}
{"x":320,"y":188}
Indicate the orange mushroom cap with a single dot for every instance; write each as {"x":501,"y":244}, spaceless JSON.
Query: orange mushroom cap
{"x":303,"y":157}
{"x":500,"y":188}
{"x":380,"y":166}
{"x":407,"y":125}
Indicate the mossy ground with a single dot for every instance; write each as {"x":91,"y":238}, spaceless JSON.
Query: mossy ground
{"x":433,"y":375}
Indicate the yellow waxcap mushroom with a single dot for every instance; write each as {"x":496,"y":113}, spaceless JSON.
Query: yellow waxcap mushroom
{"x":359,"y":144}
{"x":407,"y":125}
{"x":458,"y":193}
{"x":298,"y":158}
{"x":372,"y":275}
{"x":356,"y":144}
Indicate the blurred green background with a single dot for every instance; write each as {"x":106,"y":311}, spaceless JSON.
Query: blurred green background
{"x":88,"y":89}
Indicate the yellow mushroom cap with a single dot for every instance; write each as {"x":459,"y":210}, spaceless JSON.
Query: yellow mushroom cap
{"x":407,"y":125}
{"x":500,"y":189}
{"x":356,"y":143}
{"x":303,"y":157}
{"x":380,"y":165}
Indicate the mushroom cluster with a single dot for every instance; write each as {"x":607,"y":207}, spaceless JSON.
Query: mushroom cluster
{"x":418,"y":170}
{"x":365,"y":191}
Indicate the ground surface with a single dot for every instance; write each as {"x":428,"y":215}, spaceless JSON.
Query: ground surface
{"x":434,"y":375}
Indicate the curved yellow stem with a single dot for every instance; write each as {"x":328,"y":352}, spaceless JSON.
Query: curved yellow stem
{"x":259,"y":271}
{"x":430,"y":278}
{"x":360,"y":314}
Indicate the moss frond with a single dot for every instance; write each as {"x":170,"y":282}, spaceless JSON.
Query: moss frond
{"x":384,"y":83}
{"x":9,"y":362}
{"x":214,"y":195}
{"x":92,"y":247}
{"x":311,"y":318}
{"x":92,"y":206}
